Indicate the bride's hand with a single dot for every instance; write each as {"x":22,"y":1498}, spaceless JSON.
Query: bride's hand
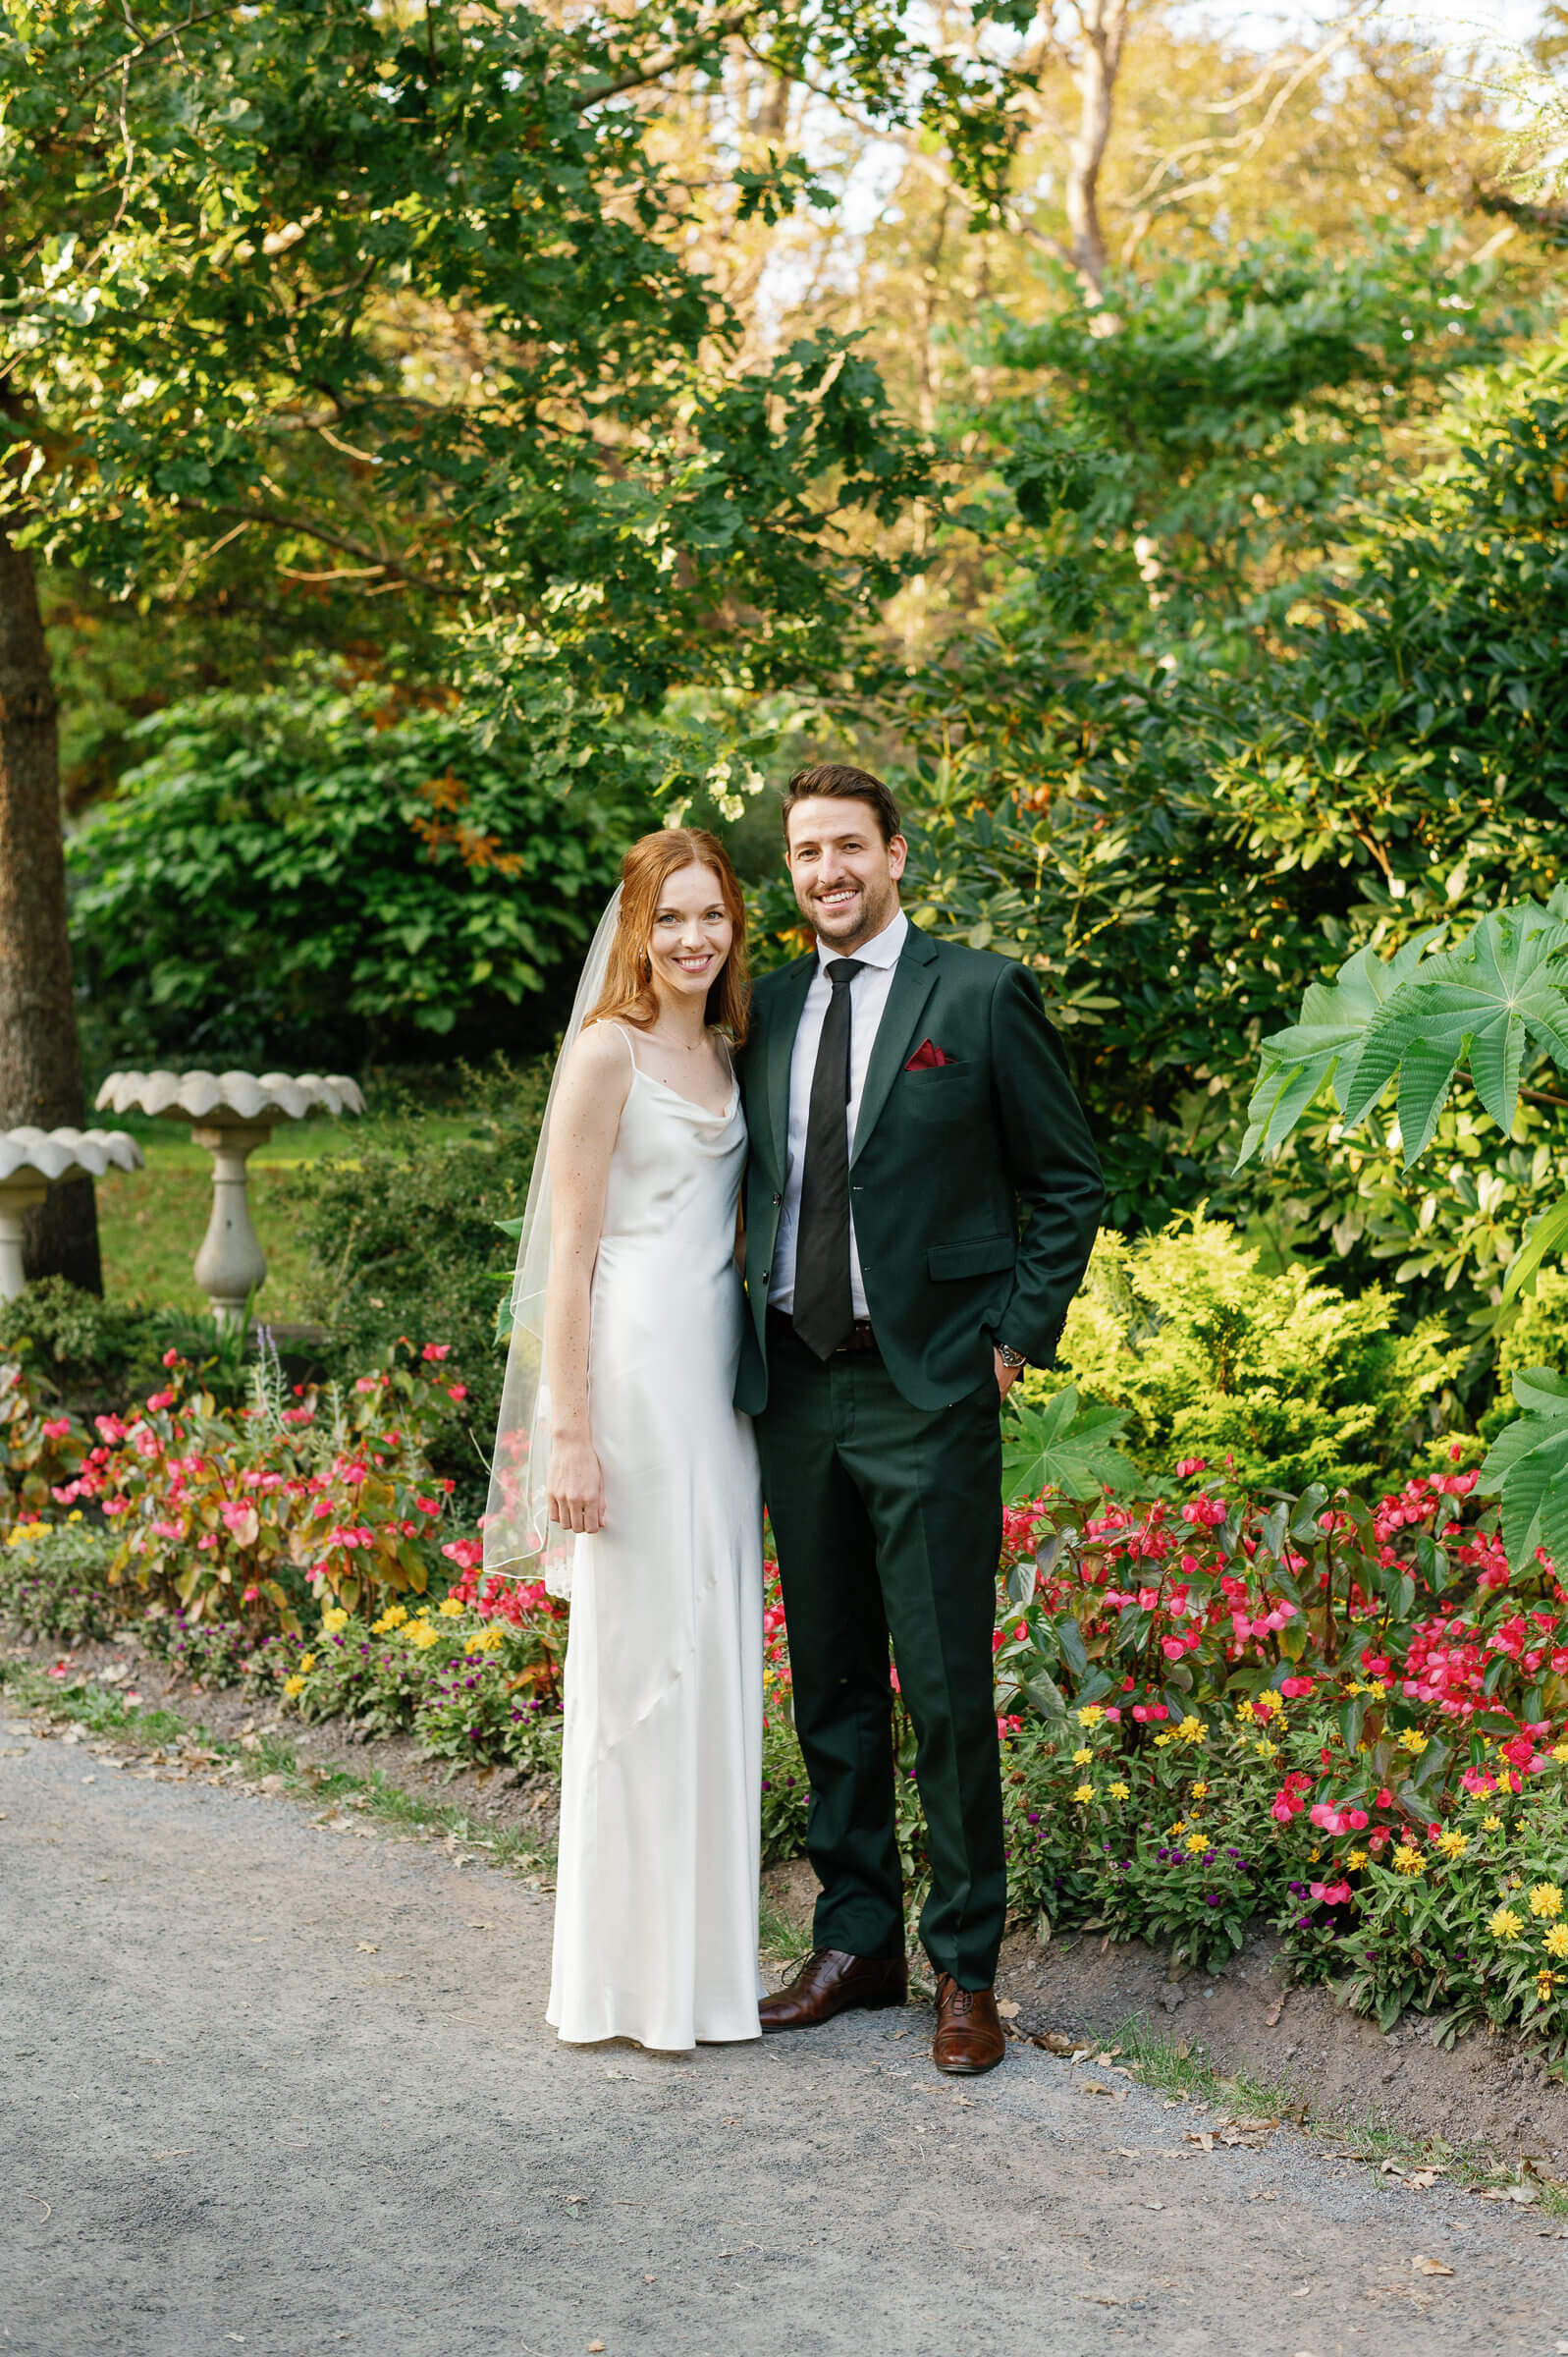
{"x":577,"y":1486}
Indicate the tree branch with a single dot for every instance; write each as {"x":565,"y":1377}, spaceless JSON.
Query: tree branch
{"x":170,"y":33}
{"x":281,"y":522}
{"x":655,"y":69}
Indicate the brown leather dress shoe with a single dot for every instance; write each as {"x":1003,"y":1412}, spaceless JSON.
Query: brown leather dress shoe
{"x":830,"y":1982}
{"x":970,"y":2032}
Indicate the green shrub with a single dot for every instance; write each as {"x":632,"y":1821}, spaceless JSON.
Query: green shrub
{"x":1280,"y":1376}
{"x":311,"y":874}
{"x":54,"y":1580}
{"x":79,"y":1343}
{"x":404,"y":1241}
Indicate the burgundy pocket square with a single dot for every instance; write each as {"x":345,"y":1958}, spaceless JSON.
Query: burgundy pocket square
{"x":927,"y":1056}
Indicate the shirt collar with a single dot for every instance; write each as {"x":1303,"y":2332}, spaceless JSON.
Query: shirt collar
{"x":884,"y":949}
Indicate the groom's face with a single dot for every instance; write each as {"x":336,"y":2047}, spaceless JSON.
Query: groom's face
{"x":845,"y":877}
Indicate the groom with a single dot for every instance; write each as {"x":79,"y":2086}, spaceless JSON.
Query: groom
{"x":921,"y":1197}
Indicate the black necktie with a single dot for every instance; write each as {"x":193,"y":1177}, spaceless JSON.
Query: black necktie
{"x":824,"y":1311}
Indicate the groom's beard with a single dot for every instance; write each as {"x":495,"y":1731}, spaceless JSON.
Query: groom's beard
{"x":861,"y":919}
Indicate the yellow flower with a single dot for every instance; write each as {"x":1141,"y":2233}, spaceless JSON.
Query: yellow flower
{"x":334,"y":1619}
{"x":292,"y":1686}
{"x":1409,"y":1860}
{"x":450,"y":1608}
{"x":1356,"y":1861}
{"x":1265,"y":1749}
{"x":1163,"y":1738}
{"x":1375,"y":1688}
{"x":1545,"y":1983}
{"x":1199,"y":1791}
{"x":1083,"y":1793}
{"x":1197,"y":1841}
{"x":1505,"y":1924}
{"x":1491,"y":1825}
{"x":1560,"y":1752}
{"x":307,"y":1660}
{"x":1191,"y":1729}
{"x":1546,"y":1899}
{"x":1312,"y":1855}
{"x":75,"y":1514}
{"x":1120,"y":1792}
{"x":1265,"y":1704}
{"x":1245,"y":1713}
{"x":1082,"y":1756}
{"x":1179,"y":1827}
{"x":1413,"y":1742}
{"x":1558,"y":1940}
{"x":420,"y":1634}
{"x":1452,"y":1844}
{"x":1090,"y":1714}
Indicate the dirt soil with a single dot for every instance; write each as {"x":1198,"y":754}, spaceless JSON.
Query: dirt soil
{"x":1488,"y":2092}
{"x":275,"y":2078}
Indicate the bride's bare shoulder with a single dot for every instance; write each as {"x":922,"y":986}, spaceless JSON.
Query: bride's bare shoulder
{"x":600,"y":1059}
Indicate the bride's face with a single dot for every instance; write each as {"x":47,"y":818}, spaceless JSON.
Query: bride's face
{"x":691,"y":934}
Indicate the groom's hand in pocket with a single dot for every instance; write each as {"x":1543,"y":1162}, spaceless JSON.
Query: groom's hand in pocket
{"x":577,"y":1486}
{"x":1007,"y":1376}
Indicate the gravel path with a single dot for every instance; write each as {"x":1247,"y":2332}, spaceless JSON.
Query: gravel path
{"x":283,"y":2085}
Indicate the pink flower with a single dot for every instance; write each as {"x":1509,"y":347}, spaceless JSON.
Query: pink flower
{"x":158,"y":1400}
{"x":57,"y":1428}
{"x":457,"y":1391}
{"x":1332,"y":1895}
{"x":436,"y":1351}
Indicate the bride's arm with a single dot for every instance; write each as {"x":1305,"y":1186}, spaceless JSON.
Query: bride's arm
{"x":587,"y":1115}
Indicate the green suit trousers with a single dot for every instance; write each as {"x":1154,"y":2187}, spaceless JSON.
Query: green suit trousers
{"x":887,"y":1519}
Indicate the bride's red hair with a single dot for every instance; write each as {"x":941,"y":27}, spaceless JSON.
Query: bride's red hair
{"x":628,"y":993}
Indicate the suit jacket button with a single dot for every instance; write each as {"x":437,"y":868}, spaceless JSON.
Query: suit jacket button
{"x":766,"y":1274}
{"x":778,"y":1199}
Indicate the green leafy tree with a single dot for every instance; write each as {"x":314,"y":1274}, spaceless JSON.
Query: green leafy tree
{"x":307,"y":873}
{"x":1496,"y":1003}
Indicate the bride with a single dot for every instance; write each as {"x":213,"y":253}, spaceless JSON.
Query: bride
{"x":622,"y":1461}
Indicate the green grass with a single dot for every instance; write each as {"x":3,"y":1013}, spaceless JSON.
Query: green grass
{"x":1184,"y":2072}
{"x":151,"y":1222}
{"x":103,"y":1713}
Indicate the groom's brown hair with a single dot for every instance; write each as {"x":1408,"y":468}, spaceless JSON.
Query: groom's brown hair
{"x":838,"y":782}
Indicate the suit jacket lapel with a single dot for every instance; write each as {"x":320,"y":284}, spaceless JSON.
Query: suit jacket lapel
{"x":914,"y":979}
{"x":789,"y":1003}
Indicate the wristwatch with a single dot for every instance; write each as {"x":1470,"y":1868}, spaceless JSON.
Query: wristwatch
{"x":1010,"y":1357}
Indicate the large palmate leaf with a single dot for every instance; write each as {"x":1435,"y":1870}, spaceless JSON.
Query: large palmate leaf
{"x":1062,"y":1447}
{"x":1527,"y":1466}
{"x":1480,"y":1003}
{"x":1326,"y":1045}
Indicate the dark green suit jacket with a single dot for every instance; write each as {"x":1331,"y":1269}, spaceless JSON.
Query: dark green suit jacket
{"x":976,"y":1192}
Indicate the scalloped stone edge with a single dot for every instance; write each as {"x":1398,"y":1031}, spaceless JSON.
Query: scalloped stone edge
{"x":55,"y":1153}
{"x":199,"y":1095}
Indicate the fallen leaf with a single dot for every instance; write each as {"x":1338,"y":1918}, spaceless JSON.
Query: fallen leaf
{"x":1127,"y":2152}
{"x":594,"y":2346}
{"x":1055,"y":2042}
{"x":1117,"y":2095}
{"x":1153,"y":2205}
{"x":1272,"y":2017}
{"x":479,"y":1927}
{"x":1201,"y":2137}
{"x":1008,"y":2007}
{"x":366,"y":1947}
{"x":1430,"y":2267}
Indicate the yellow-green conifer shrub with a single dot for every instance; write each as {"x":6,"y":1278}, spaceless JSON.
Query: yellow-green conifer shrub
{"x":1213,"y":1356}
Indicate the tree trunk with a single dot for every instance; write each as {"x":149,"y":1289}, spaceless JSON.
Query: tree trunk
{"x":1103,"y":24}
{"x":41,"y":1060}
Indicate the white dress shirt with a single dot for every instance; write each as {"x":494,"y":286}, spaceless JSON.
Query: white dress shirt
{"x":868,"y":996}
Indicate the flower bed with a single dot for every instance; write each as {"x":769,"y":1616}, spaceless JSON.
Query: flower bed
{"x":1343,"y":1719}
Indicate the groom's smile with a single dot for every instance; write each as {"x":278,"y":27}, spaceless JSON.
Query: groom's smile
{"x":845,"y":876}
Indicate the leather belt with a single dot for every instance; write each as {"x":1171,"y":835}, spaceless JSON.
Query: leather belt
{"x":859,"y":1342}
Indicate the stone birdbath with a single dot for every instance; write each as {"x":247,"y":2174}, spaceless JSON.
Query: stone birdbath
{"x":231,"y":1115}
{"x":30,"y":1161}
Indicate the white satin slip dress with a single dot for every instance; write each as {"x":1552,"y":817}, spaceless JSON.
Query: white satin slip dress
{"x":655,"y":1890}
